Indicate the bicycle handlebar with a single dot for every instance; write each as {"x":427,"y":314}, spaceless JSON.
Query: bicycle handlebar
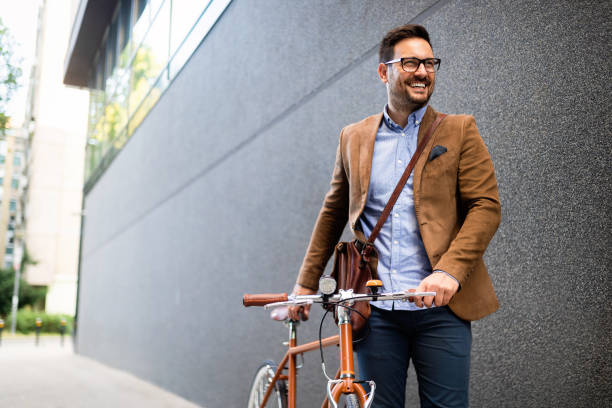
{"x":270,"y":300}
{"x":263,"y":299}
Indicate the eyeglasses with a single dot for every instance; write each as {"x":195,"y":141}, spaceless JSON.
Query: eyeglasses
{"x":412,"y":64}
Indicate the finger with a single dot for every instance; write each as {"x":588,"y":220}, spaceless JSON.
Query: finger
{"x":305,"y":312}
{"x":428,"y":300}
{"x":418,"y":300}
{"x":440,"y":297}
{"x":294,"y":313}
{"x":411,"y":298}
{"x":447,"y":298}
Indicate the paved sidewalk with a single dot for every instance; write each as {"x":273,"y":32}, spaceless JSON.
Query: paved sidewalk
{"x":51,"y":376}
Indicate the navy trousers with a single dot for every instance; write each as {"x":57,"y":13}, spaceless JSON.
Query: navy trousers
{"x":438,"y":343}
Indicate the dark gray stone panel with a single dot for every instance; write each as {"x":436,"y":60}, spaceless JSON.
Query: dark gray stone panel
{"x":217,"y":192}
{"x":536,"y":77}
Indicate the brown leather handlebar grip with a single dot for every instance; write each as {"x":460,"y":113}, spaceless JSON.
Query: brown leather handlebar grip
{"x":263,"y":299}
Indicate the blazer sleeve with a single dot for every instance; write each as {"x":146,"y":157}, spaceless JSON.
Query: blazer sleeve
{"x":329,"y":225}
{"x":480,"y":206}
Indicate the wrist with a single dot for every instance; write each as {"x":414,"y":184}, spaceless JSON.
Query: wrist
{"x":302,"y":290}
{"x":448,"y":274}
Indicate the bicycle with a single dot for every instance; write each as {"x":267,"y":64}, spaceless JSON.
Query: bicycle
{"x":270,"y":378}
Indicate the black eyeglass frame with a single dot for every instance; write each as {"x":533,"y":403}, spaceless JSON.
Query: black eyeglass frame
{"x":436,"y":63}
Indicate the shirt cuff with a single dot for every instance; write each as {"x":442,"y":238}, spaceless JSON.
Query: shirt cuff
{"x":440,"y":270}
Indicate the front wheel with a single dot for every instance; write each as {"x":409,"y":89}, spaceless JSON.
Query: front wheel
{"x":261,"y":382}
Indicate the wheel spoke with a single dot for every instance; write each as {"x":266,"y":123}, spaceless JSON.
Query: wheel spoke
{"x":262,"y":382}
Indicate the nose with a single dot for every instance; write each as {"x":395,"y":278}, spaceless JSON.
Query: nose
{"x":421,"y":70}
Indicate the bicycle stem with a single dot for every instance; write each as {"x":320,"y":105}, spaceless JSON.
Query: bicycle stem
{"x":346,"y":338}
{"x":292,"y":364}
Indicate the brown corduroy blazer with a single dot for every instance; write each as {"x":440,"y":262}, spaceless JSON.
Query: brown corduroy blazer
{"x":456,"y":202}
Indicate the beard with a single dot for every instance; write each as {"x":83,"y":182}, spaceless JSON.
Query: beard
{"x":402,"y":99}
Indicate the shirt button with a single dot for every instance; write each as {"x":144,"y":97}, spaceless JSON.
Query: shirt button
{"x":394,"y":271}
{"x":403,"y":134}
{"x":417,"y":122}
{"x":399,"y":161}
{"x":396,"y":215}
{"x":395,"y":242}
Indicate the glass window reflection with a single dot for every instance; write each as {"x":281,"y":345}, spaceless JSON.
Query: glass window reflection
{"x":150,"y":59}
{"x":145,"y":46}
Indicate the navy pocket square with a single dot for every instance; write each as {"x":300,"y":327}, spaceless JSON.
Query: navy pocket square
{"x":436,"y":151}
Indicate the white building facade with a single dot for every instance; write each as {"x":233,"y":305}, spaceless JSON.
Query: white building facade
{"x":55,"y":168}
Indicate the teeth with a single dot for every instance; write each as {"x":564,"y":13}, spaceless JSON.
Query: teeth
{"x":418,"y":85}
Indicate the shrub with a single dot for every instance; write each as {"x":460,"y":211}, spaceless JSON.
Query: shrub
{"x":26,"y":321}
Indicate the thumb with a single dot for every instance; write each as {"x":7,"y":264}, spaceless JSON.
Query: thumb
{"x":418,"y":300}
{"x":411,"y":298}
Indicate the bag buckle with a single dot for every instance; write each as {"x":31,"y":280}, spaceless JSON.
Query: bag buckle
{"x":365,"y":251}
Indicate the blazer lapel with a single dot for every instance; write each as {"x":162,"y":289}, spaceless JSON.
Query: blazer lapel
{"x":367,"y":139}
{"x":428,"y":119}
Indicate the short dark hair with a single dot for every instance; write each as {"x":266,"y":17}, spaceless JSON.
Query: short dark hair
{"x":385,"y":52}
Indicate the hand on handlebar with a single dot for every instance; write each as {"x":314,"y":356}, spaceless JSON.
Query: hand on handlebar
{"x":297,"y":312}
{"x":444,"y":286}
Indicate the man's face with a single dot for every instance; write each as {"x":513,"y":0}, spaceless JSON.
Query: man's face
{"x":410,"y":89}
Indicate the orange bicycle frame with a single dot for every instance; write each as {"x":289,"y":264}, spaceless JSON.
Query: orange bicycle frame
{"x":345,"y":375}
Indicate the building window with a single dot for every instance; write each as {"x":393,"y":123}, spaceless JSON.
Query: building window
{"x":13,"y":205}
{"x":146,"y":45}
{"x":15,"y":183}
{"x":139,"y":6}
{"x":123,"y":29}
{"x":16,"y":160}
{"x":111,"y":49}
{"x":9,"y":250}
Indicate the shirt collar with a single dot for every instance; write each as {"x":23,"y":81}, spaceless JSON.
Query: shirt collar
{"x":414,"y":119}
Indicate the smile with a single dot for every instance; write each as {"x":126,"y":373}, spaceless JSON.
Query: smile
{"x":417,"y":85}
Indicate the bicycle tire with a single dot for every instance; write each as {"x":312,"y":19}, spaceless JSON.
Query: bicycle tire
{"x":261,"y":380}
{"x":349,"y":401}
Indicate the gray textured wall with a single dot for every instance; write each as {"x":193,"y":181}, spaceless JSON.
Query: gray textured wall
{"x":217,"y":192}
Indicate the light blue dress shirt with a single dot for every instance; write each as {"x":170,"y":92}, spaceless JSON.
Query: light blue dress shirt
{"x":402,"y":262}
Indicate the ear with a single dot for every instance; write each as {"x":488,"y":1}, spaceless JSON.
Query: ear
{"x":382,"y":72}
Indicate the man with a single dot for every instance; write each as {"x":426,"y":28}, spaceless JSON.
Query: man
{"x":433,"y":240}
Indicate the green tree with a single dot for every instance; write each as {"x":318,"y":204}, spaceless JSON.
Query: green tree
{"x":7,"y":280}
{"x":33,"y":296}
{"x":9,"y":73}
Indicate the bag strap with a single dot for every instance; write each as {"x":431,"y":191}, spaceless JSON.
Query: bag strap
{"x":400,"y":184}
